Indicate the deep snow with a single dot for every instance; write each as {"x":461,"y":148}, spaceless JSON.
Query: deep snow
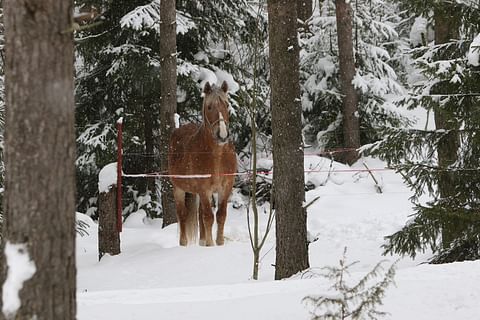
{"x":154,"y":278}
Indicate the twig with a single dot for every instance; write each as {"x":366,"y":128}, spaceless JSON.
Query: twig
{"x":311,"y":202}
{"x":377,"y":185}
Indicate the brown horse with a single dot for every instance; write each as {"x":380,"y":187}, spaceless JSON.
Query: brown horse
{"x":202,"y":162}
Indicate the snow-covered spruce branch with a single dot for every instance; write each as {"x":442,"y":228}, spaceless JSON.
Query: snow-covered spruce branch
{"x":148,"y":17}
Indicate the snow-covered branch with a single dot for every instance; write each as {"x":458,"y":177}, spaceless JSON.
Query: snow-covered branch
{"x":148,"y":17}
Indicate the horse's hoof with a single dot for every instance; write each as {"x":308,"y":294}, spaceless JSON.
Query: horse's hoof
{"x":210,"y":244}
{"x":220,"y":242}
{"x":202,"y":243}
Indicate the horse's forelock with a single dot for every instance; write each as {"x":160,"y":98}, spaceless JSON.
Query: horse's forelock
{"x":215,"y":94}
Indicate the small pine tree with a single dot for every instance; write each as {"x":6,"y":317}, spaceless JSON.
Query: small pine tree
{"x":356,"y":302}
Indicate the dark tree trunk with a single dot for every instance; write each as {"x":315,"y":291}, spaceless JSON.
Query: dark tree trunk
{"x":351,"y":123}
{"x":40,"y":153}
{"x":304,"y":8}
{"x":148,"y":123}
{"x":291,"y":220}
{"x":168,"y":100}
{"x":108,"y":235}
{"x":2,"y":70}
{"x":447,"y":20}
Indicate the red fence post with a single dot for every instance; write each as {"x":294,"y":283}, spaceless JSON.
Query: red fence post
{"x":119,"y":173}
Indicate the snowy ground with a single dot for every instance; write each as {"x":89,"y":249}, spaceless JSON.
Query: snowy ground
{"x":154,"y":278}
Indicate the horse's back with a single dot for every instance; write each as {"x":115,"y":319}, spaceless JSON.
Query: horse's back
{"x":183,"y":134}
{"x":179,"y":142}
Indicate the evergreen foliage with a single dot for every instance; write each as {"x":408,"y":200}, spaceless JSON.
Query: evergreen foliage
{"x":376,"y":42}
{"x":449,"y":223}
{"x":118,"y":76}
{"x":355,"y":302}
{"x":117,"y":65}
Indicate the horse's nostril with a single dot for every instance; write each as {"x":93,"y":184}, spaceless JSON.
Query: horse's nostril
{"x":222,"y":139}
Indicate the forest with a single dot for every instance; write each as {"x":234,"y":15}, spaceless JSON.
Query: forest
{"x":338,"y":171}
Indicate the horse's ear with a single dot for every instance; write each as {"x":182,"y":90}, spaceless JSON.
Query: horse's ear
{"x":207,"y":89}
{"x":224,"y":86}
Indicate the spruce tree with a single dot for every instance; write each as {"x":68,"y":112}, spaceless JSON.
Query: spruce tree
{"x":375,"y":44}
{"x":290,"y":215}
{"x":441,"y":163}
{"x":118,"y":75}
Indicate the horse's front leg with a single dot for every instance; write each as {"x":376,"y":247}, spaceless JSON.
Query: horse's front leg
{"x":222,"y":212}
{"x":201,"y":225}
{"x":206,"y":216}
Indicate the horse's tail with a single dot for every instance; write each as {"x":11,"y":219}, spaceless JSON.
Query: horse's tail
{"x":191,"y":225}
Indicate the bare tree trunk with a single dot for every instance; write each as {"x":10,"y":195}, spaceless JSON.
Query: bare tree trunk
{"x":108,"y":235}
{"x":291,"y":220}
{"x":447,"y":20}
{"x":351,"y":123}
{"x":168,"y":100}
{"x":40,"y":154}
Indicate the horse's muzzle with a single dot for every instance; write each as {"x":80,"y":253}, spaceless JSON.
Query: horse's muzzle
{"x":223,"y":140}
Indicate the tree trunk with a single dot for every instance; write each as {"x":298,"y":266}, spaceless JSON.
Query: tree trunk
{"x":447,"y":20}
{"x":40,"y":154}
{"x":168,"y":100}
{"x":108,"y":235}
{"x":148,"y":160}
{"x":304,"y":8}
{"x":351,"y":123}
{"x":2,"y":68}
{"x":291,"y":223}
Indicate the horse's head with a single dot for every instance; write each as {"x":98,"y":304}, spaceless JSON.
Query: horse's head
{"x":215,"y":111}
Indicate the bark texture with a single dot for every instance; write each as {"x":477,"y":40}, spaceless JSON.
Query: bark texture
{"x":291,"y":224}
{"x":40,"y":153}
{"x":351,"y":122}
{"x":168,"y":100}
{"x":108,"y":235}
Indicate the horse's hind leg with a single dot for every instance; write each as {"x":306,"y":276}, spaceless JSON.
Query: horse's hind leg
{"x":207,"y":219}
{"x":182,"y":213}
{"x":191,"y":222}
